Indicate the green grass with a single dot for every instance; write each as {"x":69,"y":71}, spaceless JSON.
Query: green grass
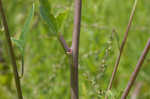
{"x":47,"y":70}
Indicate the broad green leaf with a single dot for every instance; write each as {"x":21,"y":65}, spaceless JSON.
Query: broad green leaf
{"x":48,"y":18}
{"x":61,"y":17}
{"x":27,"y":26}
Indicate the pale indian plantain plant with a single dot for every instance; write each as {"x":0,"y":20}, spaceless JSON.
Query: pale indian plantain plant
{"x":19,"y":43}
{"x":53,"y":25}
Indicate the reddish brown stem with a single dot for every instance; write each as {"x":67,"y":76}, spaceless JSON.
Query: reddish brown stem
{"x":12,"y":55}
{"x":136,"y":71}
{"x":64,"y":45}
{"x":122,"y":47}
{"x":75,"y":50}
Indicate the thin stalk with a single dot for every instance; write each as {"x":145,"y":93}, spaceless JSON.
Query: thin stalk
{"x":75,"y":50}
{"x":136,"y":71}
{"x":12,"y":55}
{"x":64,"y":44}
{"x":122,"y":46}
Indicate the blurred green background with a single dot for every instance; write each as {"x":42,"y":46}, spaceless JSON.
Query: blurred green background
{"x":47,"y":70}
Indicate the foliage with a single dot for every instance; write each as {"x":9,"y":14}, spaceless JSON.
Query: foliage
{"x":47,"y":68}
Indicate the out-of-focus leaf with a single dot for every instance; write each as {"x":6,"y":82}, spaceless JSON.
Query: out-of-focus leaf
{"x":46,"y":5}
{"x":27,"y":26}
{"x":22,"y":40}
{"x":61,"y":17}
{"x":110,"y":94}
{"x":3,"y":79}
{"x":19,"y":44}
{"x":48,"y":18}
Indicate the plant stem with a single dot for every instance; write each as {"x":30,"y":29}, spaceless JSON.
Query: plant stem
{"x":136,"y":71}
{"x":12,"y":55}
{"x":75,"y":50}
{"x":64,"y":44}
{"x":122,"y":46}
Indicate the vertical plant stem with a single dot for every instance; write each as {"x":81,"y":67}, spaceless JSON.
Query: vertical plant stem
{"x":122,"y":46}
{"x":136,"y":71}
{"x":75,"y":50}
{"x":12,"y":55}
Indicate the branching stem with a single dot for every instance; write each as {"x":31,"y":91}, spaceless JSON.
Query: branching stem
{"x":64,"y":44}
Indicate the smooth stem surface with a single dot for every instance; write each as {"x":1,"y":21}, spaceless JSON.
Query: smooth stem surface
{"x":136,"y":71}
{"x":75,"y":50}
{"x":13,"y":59}
{"x":64,"y":44}
{"x":122,"y":46}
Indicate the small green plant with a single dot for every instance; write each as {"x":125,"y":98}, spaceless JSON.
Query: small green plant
{"x":21,"y":42}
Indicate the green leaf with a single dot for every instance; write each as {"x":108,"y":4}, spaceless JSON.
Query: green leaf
{"x":61,"y":17}
{"x":19,"y":44}
{"x":27,"y":26}
{"x":48,"y":18}
{"x":110,"y":94}
{"x":22,"y":40}
{"x":46,"y":5}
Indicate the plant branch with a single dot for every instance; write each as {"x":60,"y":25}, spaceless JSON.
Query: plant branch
{"x":12,"y":55}
{"x":122,"y":46}
{"x":64,"y":44}
{"x":136,"y":71}
{"x":75,"y":50}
